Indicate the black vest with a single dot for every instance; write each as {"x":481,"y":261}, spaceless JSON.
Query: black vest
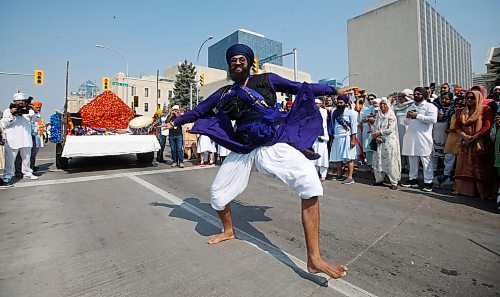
{"x":260,"y":83}
{"x":237,"y":110}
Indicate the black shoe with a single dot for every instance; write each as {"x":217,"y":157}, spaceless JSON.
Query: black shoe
{"x":376,"y":184}
{"x":393,"y":187}
{"x":412,"y":183}
{"x":7,"y":183}
{"x":427,"y":187}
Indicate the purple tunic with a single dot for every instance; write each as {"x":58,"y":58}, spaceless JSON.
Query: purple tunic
{"x":299,"y":128}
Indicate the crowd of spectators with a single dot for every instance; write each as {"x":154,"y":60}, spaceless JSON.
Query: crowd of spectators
{"x":449,"y":135}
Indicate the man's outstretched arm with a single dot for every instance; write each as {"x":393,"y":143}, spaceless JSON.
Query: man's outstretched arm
{"x":281,"y":84}
{"x":200,"y":110}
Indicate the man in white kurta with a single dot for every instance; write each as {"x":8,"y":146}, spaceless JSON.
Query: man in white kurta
{"x":417,"y":142}
{"x":344,"y":128}
{"x":18,"y":139}
{"x":320,"y":146}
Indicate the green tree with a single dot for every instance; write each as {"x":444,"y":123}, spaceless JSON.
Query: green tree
{"x":185,"y":77}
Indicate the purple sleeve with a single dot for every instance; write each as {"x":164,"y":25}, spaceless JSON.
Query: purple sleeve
{"x":284,"y":85}
{"x":200,"y":110}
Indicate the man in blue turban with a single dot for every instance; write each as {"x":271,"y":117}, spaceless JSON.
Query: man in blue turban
{"x":266,"y":138}
{"x":344,"y":127}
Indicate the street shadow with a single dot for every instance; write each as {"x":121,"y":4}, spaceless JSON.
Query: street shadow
{"x":242,"y":215}
{"x":439,"y":194}
{"x":43,"y":168}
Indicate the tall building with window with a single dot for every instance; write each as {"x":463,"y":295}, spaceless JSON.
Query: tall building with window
{"x":262,"y":47}
{"x":404,"y":44}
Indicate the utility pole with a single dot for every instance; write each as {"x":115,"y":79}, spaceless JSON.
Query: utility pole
{"x":190,"y":96}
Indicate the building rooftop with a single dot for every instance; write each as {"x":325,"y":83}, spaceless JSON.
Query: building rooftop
{"x":251,"y":32}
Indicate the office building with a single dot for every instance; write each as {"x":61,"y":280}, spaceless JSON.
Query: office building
{"x":263,"y":48}
{"x":404,"y":44}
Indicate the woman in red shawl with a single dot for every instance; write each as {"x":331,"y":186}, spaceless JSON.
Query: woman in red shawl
{"x":475,"y":175}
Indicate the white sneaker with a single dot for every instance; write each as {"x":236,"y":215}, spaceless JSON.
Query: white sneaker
{"x":32,"y":177}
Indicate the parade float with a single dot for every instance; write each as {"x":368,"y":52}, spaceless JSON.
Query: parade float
{"x":105,"y":126}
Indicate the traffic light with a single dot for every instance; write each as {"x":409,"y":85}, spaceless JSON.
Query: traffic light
{"x":105,"y":83}
{"x":136,"y":101}
{"x":38,"y":77}
{"x":255,"y":66}
{"x":202,"y":79}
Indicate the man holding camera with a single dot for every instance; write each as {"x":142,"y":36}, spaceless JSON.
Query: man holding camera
{"x":17,"y":124}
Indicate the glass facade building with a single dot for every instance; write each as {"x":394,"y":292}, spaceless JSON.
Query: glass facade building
{"x":262,"y":47}
{"x":331,"y":82}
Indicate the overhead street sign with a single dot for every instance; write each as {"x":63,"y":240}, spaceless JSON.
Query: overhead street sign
{"x":270,"y":58}
{"x":114,"y":83}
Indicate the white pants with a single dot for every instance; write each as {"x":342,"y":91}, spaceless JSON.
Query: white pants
{"x":379,"y":177}
{"x":280,"y":160}
{"x":10,"y":158}
{"x":426,"y":164}
{"x":449,"y":162}
{"x":322,"y":171}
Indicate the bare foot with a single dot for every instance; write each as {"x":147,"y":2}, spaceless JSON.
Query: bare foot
{"x":221,"y":237}
{"x":334,"y":271}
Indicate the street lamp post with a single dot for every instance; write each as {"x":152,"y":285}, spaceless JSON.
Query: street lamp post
{"x":197,"y":63}
{"x":199,"y":50}
{"x":354,"y":74}
{"x":294,"y":51}
{"x":126,"y":63}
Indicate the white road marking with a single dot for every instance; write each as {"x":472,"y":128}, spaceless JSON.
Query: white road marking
{"x":28,"y":184}
{"x":338,"y":285}
{"x":45,"y":159}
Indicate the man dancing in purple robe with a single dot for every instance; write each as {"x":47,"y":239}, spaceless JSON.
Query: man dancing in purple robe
{"x":276,"y":143}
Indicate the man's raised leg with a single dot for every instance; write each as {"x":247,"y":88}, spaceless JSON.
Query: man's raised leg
{"x":228,"y":232}
{"x":310,"y":222}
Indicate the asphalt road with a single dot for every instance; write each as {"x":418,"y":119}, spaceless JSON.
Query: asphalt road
{"x":107,"y":227}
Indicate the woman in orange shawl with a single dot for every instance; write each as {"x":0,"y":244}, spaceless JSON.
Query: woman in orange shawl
{"x":475,"y":172}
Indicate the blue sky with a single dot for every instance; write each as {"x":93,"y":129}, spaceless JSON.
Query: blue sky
{"x":156,"y":34}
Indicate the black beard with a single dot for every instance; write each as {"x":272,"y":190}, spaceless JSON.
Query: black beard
{"x":339,"y":110}
{"x":239,"y":77}
{"x":418,"y":100}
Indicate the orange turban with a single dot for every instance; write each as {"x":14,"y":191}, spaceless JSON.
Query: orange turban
{"x":37,"y":104}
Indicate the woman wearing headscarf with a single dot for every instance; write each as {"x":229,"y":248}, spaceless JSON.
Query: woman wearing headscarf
{"x":446,"y":109}
{"x":475,"y":172}
{"x":387,"y":157}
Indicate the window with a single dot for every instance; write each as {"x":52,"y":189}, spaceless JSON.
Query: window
{"x":170,"y":94}
{"x":146,"y":107}
{"x":146,"y":92}
{"x":159,"y":93}
{"x":133,"y":90}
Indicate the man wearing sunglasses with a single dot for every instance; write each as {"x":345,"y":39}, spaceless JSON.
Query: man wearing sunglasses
{"x":274,"y":142}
